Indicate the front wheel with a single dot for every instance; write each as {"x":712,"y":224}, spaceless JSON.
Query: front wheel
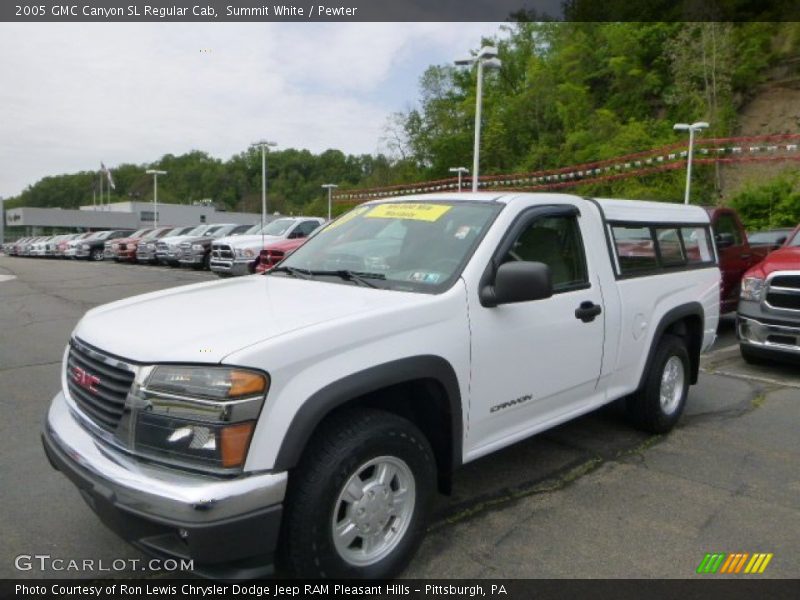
{"x":359,"y":500}
{"x":96,"y":255}
{"x":657,"y":407}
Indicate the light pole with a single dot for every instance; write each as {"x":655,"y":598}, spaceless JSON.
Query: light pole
{"x":461,"y":171}
{"x":487,"y":58}
{"x":155,"y":173}
{"x":691,"y":129}
{"x":330,"y":187}
{"x":265,"y":146}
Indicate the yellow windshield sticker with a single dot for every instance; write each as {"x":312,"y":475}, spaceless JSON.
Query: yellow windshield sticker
{"x":415,"y":212}
{"x":348,"y":216}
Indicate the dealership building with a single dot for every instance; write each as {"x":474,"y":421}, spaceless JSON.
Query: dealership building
{"x":119,"y":215}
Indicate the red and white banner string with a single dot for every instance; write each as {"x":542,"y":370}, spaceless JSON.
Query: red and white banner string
{"x":765,"y":148}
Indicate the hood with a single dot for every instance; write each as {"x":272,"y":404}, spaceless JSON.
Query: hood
{"x":786,"y":258}
{"x":247,"y":241}
{"x":200,"y":239}
{"x":285,"y":245}
{"x":176,"y":239}
{"x":205,"y":322}
{"x":127,"y":240}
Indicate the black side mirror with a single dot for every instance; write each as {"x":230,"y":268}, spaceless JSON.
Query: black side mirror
{"x":724,"y":240}
{"x":519,"y":281}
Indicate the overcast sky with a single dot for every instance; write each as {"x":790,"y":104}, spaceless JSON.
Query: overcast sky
{"x":72,"y":95}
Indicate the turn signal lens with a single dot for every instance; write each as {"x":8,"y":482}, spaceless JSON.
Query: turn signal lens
{"x":235,"y":440}
{"x":246,"y":383}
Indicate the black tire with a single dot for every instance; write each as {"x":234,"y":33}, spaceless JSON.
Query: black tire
{"x":337,"y":453}
{"x":96,"y":254}
{"x":645,"y":407}
{"x":750,"y":357}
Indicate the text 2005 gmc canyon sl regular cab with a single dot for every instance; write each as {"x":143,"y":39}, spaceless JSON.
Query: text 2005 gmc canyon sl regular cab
{"x":405,"y":339}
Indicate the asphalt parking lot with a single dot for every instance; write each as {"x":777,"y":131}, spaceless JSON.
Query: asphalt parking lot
{"x":592,"y":498}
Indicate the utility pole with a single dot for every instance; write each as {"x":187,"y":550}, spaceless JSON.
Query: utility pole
{"x":487,"y":58}
{"x":330,"y":187}
{"x":700,"y":125}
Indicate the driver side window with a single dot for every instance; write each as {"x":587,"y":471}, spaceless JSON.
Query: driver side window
{"x":556,"y":242}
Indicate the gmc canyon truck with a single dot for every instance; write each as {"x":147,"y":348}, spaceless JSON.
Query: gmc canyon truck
{"x":768,"y":319}
{"x":410,"y":336}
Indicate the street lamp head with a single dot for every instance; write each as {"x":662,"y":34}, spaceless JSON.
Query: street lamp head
{"x":693,"y":127}
{"x":330,"y":186}
{"x":459,"y":170}
{"x":263,"y":144}
{"x":492,"y":63}
{"x":155,"y":172}
{"x":465,"y":62}
{"x":487,"y":52}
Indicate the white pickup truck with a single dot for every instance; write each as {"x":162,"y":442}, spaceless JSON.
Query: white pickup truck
{"x":410,"y":336}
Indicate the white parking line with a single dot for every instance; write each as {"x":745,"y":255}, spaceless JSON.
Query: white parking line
{"x":7,"y":278}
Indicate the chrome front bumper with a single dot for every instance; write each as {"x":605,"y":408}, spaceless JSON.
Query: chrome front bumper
{"x":154,"y":490}
{"x":218,"y":522}
{"x":768,"y":336}
{"x":231,"y":267}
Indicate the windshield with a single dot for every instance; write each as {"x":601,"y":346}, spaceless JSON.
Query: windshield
{"x":420,"y":247}
{"x":794,"y":241}
{"x":197,"y":230}
{"x":769,"y":237}
{"x":278,"y":227}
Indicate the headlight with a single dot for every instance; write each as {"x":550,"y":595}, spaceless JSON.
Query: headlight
{"x":197,"y":247}
{"x":85,"y":246}
{"x":752,"y":289}
{"x":150,"y":246}
{"x":198,"y":416}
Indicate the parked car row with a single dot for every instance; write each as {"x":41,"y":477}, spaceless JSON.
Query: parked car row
{"x":228,"y":249}
{"x":71,"y":245}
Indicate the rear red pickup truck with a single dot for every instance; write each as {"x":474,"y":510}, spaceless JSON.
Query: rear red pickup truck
{"x":768,"y":319}
{"x":736,"y":255}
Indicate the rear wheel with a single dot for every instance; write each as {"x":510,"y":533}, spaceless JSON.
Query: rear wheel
{"x":96,"y":254}
{"x":657,"y":407}
{"x":359,"y":500}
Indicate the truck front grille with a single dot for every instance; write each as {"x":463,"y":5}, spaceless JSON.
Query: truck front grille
{"x":97,"y":385}
{"x":783,"y":292}
{"x":222,"y":252}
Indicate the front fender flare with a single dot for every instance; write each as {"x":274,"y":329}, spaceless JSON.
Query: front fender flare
{"x":338,"y":393}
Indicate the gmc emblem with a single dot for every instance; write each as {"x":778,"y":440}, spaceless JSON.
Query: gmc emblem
{"x":84,"y":379}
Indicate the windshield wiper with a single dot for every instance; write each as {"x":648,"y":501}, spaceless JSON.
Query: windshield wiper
{"x":293,"y":271}
{"x":355,"y":276}
{"x":358,"y":277}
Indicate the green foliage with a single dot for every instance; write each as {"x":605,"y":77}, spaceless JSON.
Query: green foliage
{"x":294,"y":179}
{"x":772,"y":204}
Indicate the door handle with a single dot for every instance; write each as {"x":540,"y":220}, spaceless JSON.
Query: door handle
{"x":587,"y":311}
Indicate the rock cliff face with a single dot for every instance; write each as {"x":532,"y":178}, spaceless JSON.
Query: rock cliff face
{"x":775,"y":108}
